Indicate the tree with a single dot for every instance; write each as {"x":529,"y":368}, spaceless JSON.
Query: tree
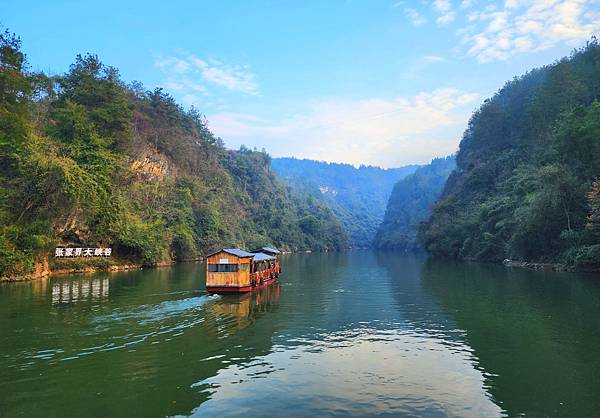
{"x":593,"y":219}
{"x":15,"y":96}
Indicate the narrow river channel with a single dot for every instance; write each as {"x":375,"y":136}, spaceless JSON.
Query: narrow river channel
{"x":353,"y":333}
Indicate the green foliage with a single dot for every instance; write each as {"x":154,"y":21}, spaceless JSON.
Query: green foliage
{"x":101,"y":95}
{"x":87,"y":160}
{"x":588,"y":257}
{"x":15,"y":91}
{"x":523,"y":187}
{"x":142,"y":240}
{"x":281,"y":215}
{"x":593,"y":220}
{"x":410,"y":203}
{"x":80,"y":264}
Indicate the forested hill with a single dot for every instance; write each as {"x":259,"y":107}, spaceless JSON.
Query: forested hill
{"x":86,"y":160}
{"x":357,"y":196}
{"x":527,"y":181}
{"x":410,"y":203}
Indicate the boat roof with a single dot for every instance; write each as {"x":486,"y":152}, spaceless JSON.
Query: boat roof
{"x":262,"y":257}
{"x":234,"y":251}
{"x":266,"y":250}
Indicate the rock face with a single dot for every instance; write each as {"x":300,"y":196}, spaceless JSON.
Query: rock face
{"x":150,"y":167}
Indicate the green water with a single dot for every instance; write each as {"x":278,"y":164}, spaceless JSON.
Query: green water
{"x":358,"y":333}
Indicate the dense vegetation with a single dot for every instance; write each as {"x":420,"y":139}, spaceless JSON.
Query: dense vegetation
{"x":410,"y":203}
{"x":526,"y":185}
{"x":87,"y":160}
{"x":357,"y":196}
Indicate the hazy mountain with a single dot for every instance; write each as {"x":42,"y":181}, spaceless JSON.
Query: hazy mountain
{"x":410,"y":203}
{"x":357,"y":196}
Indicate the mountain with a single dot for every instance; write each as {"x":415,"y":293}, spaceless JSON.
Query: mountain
{"x":410,"y":203}
{"x":527,"y":185}
{"x":88,"y":161}
{"x":357,"y":196}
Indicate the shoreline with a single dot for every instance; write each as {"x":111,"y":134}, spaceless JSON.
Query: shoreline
{"x":43,"y":270}
{"x":555,"y":267}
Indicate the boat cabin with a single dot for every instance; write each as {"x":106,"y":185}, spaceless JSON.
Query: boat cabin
{"x":236,"y":270}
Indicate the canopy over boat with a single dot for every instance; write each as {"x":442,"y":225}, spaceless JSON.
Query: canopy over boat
{"x":234,"y":251}
{"x":267,"y":250}
{"x":262,"y":257}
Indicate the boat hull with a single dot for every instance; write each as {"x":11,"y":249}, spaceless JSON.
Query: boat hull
{"x":240,"y":289}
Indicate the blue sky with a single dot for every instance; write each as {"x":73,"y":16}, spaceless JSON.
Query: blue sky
{"x":360,"y":81}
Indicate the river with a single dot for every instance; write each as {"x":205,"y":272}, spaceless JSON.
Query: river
{"x":353,"y":333}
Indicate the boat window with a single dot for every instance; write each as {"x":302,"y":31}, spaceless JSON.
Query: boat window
{"x":222,"y":268}
{"x":245,"y":267}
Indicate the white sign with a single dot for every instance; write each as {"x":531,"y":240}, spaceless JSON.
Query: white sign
{"x":223,"y":261}
{"x":82,"y":252}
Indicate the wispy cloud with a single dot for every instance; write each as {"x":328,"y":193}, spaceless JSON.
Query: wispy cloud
{"x":517,"y":27}
{"x":434,"y":58}
{"x":419,"y":68}
{"x":415,"y":17}
{"x":446,"y":18}
{"x":232,"y":77}
{"x":442,"y":6}
{"x":444,"y":9}
{"x":193,"y":77}
{"x":372,"y":131}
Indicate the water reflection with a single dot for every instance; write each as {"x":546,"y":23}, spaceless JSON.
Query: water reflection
{"x":83,"y":289}
{"x":350,"y":346}
{"x":536,"y":335}
{"x":241,"y":311}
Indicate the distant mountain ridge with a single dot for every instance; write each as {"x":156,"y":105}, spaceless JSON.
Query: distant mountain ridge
{"x":410,"y":203}
{"x":357,"y":196}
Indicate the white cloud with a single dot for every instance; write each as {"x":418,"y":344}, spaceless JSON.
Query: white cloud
{"x":232,"y":77}
{"x":194,"y":77}
{"x":386,"y":132}
{"x":442,"y":6}
{"x":444,"y":10}
{"x":434,"y":58}
{"x":524,"y":26}
{"x":415,"y":17}
{"x":446,"y":18}
{"x":418,"y":68}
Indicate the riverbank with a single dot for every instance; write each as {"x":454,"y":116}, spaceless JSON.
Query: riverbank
{"x":61,"y":267}
{"x":65,"y":267}
{"x":537,"y":266}
{"x":47,"y":269}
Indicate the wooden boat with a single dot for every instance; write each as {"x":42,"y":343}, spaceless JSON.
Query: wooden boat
{"x":232,"y":270}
